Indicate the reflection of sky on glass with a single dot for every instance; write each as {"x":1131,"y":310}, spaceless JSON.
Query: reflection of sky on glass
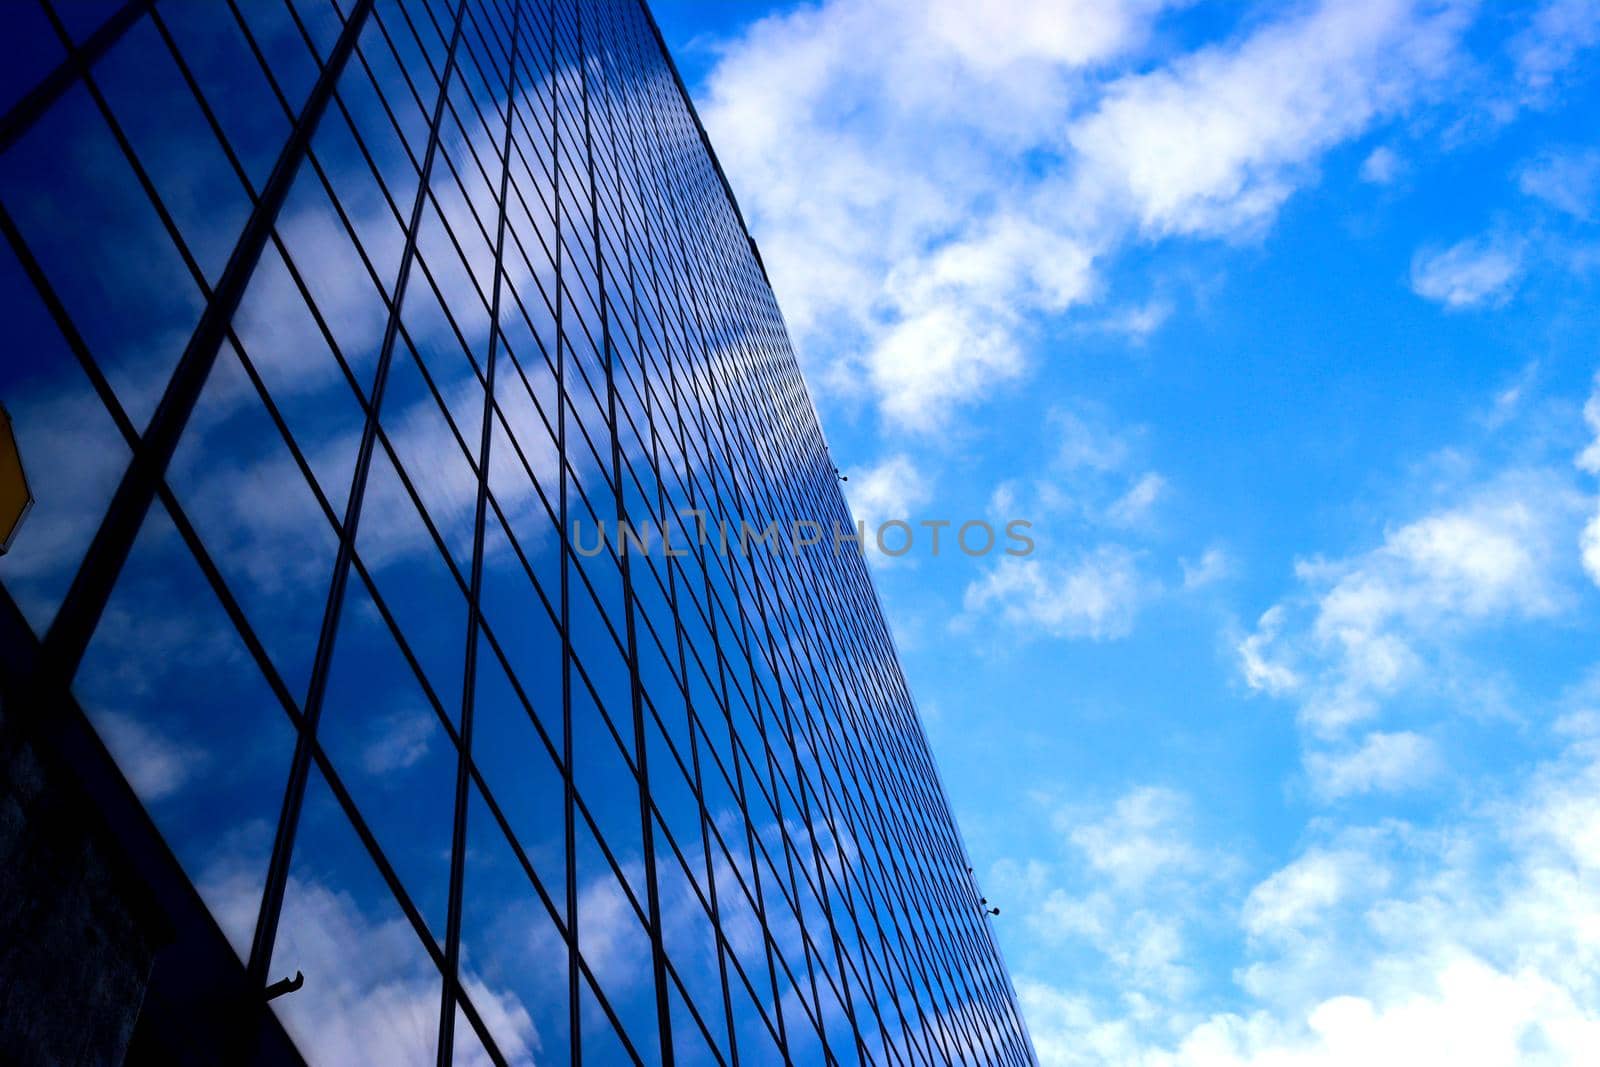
{"x":71,"y":450}
{"x":763,"y":685}
{"x":171,"y":689}
{"x":80,"y":208}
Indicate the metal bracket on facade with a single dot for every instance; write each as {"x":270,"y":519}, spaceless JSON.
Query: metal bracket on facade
{"x":284,"y":985}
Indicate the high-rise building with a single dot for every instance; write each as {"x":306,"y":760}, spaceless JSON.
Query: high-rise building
{"x":333,"y":727}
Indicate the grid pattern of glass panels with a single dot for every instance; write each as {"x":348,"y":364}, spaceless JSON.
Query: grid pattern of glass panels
{"x":329,"y":323}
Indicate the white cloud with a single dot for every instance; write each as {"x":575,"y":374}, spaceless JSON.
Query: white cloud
{"x":1589,"y":462}
{"x":1382,"y":762}
{"x":1589,"y":544}
{"x":1136,"y":322}
{"x":1382,"y":166}
{"x":1134,"y":506}
{"x":1218,"y":140}
{"x":1589,"y":458}
{"x":1368,"y":627}
{"x":1567,"y":181}
{"x":880,"y":183}
{"x":935,"y":355}
{"x":1213,"y":566}
{"x":925,"y":208}
{"x":1474,"y":942}
{"x":1142,"y":837}
{"x":1471,"y":273}
{"x":1091,"y":475}
{"x":1128,"y":886}
{"x":1508,"y":402}
{"x":1559,"y":31}
{"x":1067,"y":1030}
{"x":1097,"y":595}
{"x":1482,"y":558}
{"x":891,"y":491}
{"x":1260,"y":672}
{"x":1302,"y":893}
{"x":1086,"y":441}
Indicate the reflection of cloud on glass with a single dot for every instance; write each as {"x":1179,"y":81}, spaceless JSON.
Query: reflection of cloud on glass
{"x":606,"y":919}
{"x":740,"y":924}
{"x":230,"y":882}
{"x":377,"y":1000}
{"x":140,"y":649}
{"x":344,"y":293}
{"x":73,"y":457}
{"x":103,"y":248}
{"x":169,"y":686}
{"x":433,"y":457}
{"x":505,"y":1018}
{"x":401,"y":740}
{"x":155,"y":765}
{"x":243,"y":490}
{"x":533,"y":441}
{"x":382,"y":1005}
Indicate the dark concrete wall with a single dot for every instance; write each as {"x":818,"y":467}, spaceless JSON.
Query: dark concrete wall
{"x":76,"y":945}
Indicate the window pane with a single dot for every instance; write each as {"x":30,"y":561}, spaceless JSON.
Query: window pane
{"x":257,"y":516}
{"x":190,"y":720}
{"x":393,"y":755}
{"x":71,"y":452}
{"x":29,"y":50}
{"x":160,"y":116}
{"x":513,"y":957}
{"x":101,"y":244}
{"x":371,"y":993}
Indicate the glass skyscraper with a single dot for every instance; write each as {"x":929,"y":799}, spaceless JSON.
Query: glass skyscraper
{"x":334,"y":332}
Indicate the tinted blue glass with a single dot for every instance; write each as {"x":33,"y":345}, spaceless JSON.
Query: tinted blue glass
{"x":517,"y":751}
{"x":249,"y":502}
{"x":101,"y":244}
{"x":443,"y":341}
{"x":214,"y":47}
{"x":692,"y":1038}
{"x":340,"y":276}
{"x":70,"y":449}
{"x":306,"y":382}
{"x":745,"y":759}
{"x":369,"y":208}
{"x":321,"y":20}
{"x":290,"y":62}
{"x":429,"y":29}
{"x":162,"y":119}
{"x":29,"y":50}
{"x":376,"y":993}
{"x":523,"y":622}
{"x":194,"y":727}
{"x":437,"y":457}
{"x":82,"y":18}
{"x":389,"y":747}
{"x":514,"y":956}
{"x":616,"y":947}
{"x":398,"y":106}
{"x":422,"y":592}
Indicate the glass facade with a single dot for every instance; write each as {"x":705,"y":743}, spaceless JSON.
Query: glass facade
{"x":334,"y":331}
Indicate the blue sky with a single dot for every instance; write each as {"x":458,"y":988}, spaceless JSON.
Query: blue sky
{"x":1278,"y":323}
